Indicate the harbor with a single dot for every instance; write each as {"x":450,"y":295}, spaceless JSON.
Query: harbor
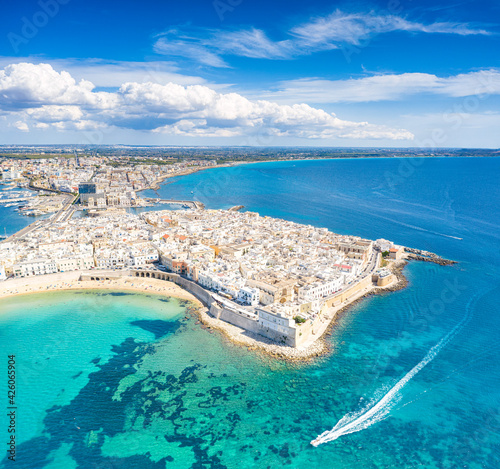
{"x":191,"y":204}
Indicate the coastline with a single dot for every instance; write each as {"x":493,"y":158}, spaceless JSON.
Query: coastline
{"x":156,"y":185}
{"x":400,"y":283}
{"x":320,"y":346}
{"x":56,"y":282}
{"x":159,"y":181}
{"x":316,"y":347}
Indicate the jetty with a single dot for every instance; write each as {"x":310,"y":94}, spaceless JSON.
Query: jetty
{"x":14,"y":200}
{"x":426,"y":256}
{"x":185,"y":203}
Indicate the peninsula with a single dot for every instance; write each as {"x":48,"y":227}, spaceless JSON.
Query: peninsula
{"x":267,"y":283}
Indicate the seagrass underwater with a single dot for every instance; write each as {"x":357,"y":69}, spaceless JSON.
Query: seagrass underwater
{"x":121,"y":379}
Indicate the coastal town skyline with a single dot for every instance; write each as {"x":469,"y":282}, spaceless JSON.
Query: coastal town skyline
{"x":279,"y":285}
{"x":373,"y":74}
{"x":276,"y":280}
{"x":242,"y":234}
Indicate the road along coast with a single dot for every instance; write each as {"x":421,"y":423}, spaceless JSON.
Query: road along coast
{"x":317,"y":346}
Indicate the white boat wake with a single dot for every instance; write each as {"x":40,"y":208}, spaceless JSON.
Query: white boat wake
{"x":378,"y":409}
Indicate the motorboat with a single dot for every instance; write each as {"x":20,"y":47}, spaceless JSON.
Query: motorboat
{"x":316,"y":442}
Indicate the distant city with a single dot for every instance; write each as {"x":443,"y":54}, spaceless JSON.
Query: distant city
{"x":278,"y":279}
{"x":169,"y":154}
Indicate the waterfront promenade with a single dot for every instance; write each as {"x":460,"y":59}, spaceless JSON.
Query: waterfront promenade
{"x":153,"y":281}
{"x":116,"y":280}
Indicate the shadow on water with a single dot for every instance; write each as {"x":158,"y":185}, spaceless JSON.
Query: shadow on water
{"x":157,"y":327}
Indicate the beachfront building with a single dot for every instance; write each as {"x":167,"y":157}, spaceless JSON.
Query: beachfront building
{"x":279,"y":269}
{"x":318,"y":289}
{"x":277,"y":274}
{"x":270,"y":320}
{"x":396,"y":252}
{"x":35,"y":267}
{"x":74,"y":263}
{"x":249,"y":296}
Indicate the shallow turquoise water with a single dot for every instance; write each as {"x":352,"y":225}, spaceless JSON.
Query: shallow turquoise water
{"x":100,"y":389}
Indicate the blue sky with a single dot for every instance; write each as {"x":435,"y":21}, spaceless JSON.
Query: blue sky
{"x":239,"y":72}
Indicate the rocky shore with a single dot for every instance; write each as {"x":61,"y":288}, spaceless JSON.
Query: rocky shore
{"x":426,"y":256}
{"x":321,"y":347}
{"x":400,"y":283}
{"x":257,"y":343}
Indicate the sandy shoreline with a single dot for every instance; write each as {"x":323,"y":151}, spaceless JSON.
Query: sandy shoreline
{"x":156,"y":185}
{"x":317,"y":346}
{"x":70,"y":282}
{"x":51,"y":283}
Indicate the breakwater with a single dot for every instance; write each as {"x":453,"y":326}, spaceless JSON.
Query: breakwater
{"x":426,"y":256}
{"x":188,"y":203}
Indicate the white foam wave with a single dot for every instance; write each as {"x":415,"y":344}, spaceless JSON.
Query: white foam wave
{"x":378,"y":409}
{"x":419,"y":228}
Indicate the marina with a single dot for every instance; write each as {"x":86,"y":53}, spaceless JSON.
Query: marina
{"x":183,"y":203}
{"x":364,"y":336}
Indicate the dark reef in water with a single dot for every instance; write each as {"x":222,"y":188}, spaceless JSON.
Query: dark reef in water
{"x":165,"y":300}
{"x":157,"y":327}
{"x":95,"y":413}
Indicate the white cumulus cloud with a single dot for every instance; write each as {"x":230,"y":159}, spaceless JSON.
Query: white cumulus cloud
{"x":388,"y":87}
{"x":20,"y":125}
{"x":37,"y":95}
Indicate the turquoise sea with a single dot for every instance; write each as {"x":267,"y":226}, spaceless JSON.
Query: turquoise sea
{"x":114,"y":380}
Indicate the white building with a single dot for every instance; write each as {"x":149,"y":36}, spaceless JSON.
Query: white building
{"x":35,"y":267}
{"x":74,"y":263}
{"x":314,"y":291}
{"x":249,"y":296}
{"x":207,"y":280}
{"x":144,"y":256}
{"x":275,"y":322}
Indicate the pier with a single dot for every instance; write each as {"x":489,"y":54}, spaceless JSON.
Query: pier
{"x":18,"y":199}
{"x":190,"y":203}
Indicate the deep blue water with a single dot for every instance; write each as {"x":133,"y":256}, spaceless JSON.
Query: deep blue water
{"x":178,"y":396}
